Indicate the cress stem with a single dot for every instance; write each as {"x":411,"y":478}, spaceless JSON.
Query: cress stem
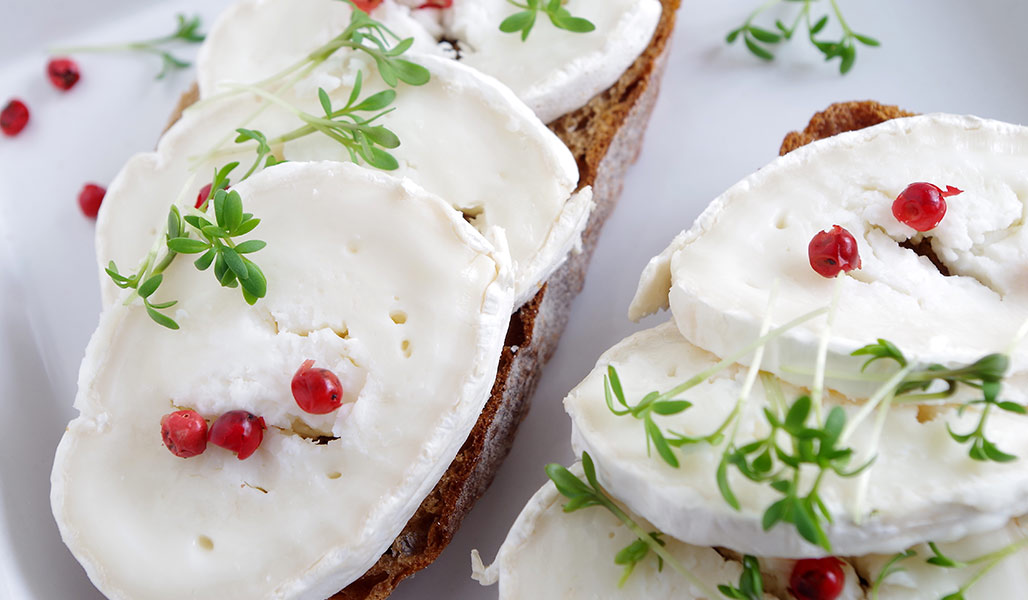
{"x":731,"y":359}
{"x":657,"y":548}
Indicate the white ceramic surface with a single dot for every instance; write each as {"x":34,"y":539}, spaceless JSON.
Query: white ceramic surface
{"x":721,"y":115}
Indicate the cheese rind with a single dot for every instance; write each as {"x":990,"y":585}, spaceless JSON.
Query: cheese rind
{"x":954,"y":496}
{"x":720,"y":271}
{"x":370,"y":276}
{"x":462,"y":136}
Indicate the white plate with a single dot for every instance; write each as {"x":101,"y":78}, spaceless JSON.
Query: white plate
{"x":721,"y":115}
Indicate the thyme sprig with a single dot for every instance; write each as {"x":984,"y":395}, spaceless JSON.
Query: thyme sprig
{"x":759,"y":40}
{"x":583,"y":494}
{"x":524,"y":20}
{"x":194,"y":233}
{"x":985,"y":374}
{"x":751,"y":582}
{"x":187,"y":30}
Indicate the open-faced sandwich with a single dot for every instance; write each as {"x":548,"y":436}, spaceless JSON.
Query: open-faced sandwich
{"x":836,"y":408}
{"x":307,"y":369}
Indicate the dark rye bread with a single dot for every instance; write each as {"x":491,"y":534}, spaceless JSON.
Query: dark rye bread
{"x":605,"y":137}
{"x":840,"y":117}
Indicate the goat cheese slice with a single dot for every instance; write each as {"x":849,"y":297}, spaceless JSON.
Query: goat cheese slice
{"x":922,"y":485}
{"x":368,"y":275}
{"x":552,"y":554}
{"x":462,"y":137}
{"x":720,"y":271}
{"x":553,"y":71}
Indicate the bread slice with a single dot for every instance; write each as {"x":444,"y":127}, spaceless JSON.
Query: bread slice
{"x":840,"y":117}
{"x":605,"y":137}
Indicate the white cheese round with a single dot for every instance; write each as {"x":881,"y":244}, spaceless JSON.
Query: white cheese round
{"x":554,"y":71}
{"x":569,"y":556}
{"x":368,"y":275}
{"x":922,"y":485}
{"x":552,"y":554}
{"x":720,"y":271}
{"x":462,"y":137}
{"x":255,"y":39}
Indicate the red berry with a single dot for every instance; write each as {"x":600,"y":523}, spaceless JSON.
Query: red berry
{"x":63,"y":73}
{"x":90,"y":199}
{"x":922,"y":205}
{"x":833,"y":251}
{"x":238,"y":431}
{"x":316,"y":391}
{"x":437,"y":4}
{"x":367,"y":5}
{"x":184,"y":433}
{"x":817,"y":579}
{"x":14,"y":117}
{"x":205,"y":193}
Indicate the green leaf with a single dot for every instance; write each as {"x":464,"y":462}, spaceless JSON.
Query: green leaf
{"x":995,"y":454}
{"x":663,"y":449}
{"x":164,"y":305}
{"x":377,"y":101}
{"x":247,"y":226}
{"x":232,"y":212}
{"x":763,"y":463}
{"x":867,"y":40}
{"x":819,"y":25}
{"x":219,"y":208}
{"x":235,"y":262}
{"x":566,"y":482}
{"x":380,"y":159}
{"x":797,"y":414}
{"x":326,"y":102}
{"x":807,"y":524}
{"x":1011,"y":407}
{"x":941,"y":560}
{"x":774,"y":514}
{"x":174,"y":222}
{"x":733,"y":35}
{"x":255,"y":283}
{"x":671,"y":407}
{"x":849,"y":56}
{"x":250,"y":246}
{"x":590,"y":471}
{"x":763,"y":35}
{"x":150,"y":286}
{"x":518,"y":22}
{"x":961,"y":438}
{"x":572,"y":24}
{"x":382,"y":136}
{"x":187,"y":245}
{"x":205,"y":261}
{"x":411,"y":73}
{"x":757,"y":50}
{"x":722,"y":483}
{"x":632,"y":553}
{"x":161,"y":319}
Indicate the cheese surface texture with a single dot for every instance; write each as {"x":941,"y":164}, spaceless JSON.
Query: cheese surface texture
{"x":462,"y":137}
{"x":554,"y":71}
{"x":717,"y":276}
{"x":922,"y":485}
{"x":369,"y":276}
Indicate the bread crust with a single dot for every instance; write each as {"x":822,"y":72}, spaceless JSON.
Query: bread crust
{"x":840,"y":117}
{"x":605,"y":137}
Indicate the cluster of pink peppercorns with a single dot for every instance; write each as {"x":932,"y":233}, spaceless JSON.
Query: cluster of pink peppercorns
{"x":63,"y":74}
{"x":920,"y":206}
{"x":185,"y":432}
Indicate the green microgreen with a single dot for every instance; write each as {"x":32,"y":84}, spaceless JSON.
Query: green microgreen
{"x":187,"y":30}
{"x":194,"y":233}
{"x":751,"y":582}
{"x":779,"y":465}
{"x":634,"y":553}
{"x":760,"y":41}
{"x":891,"y":566}
{"x":985,"y":374}
{"x":359,"y":135}
{"x":988,"y":560}
{"x":583,"y":494}
{"x":524,"y":20}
